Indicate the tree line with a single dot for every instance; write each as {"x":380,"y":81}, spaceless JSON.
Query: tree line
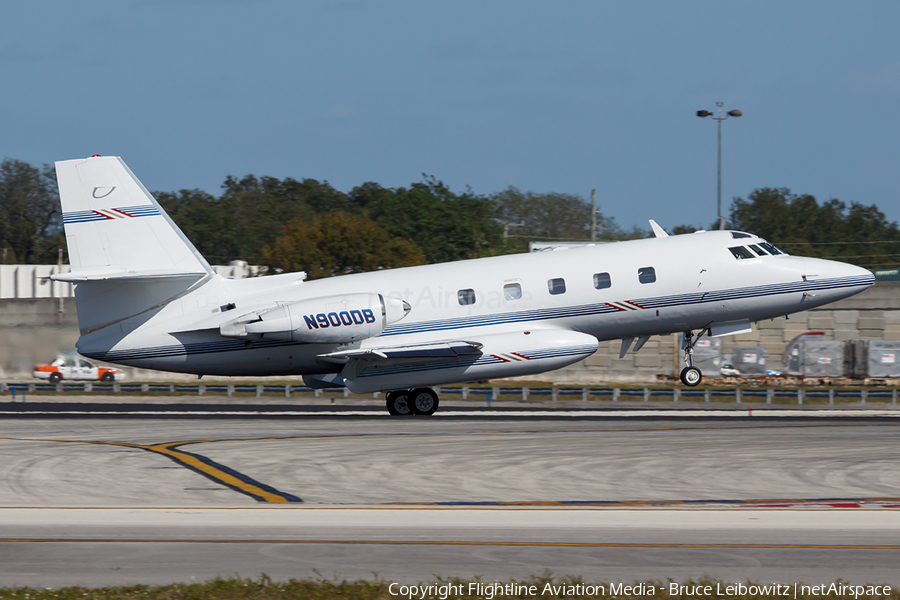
{"x":305,"y":224}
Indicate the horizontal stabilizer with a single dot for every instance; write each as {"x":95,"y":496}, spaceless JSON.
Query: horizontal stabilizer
{"x":84,"y":276}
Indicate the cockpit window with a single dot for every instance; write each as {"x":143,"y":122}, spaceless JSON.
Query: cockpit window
{"x":758,"y":250}
{"x":740,"y":234}
{"x":741,"y":253}
{"x":771,"y":249}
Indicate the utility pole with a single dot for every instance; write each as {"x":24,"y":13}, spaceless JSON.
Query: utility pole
{"x":506,"y":227}
{"x":593,"y":215}
{"x":731,"y":113}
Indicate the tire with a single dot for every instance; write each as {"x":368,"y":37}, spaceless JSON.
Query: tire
{"x":55,"y":377}
{"x":398,"y":404}
{"x":423,"y":401}
{"x":108,"y":377}
{"x":691,"y":376}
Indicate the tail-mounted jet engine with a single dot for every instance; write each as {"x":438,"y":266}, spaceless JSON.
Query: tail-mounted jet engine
{"x":326,"y":320}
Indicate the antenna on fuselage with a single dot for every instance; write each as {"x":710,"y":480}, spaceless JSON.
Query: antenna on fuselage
{"x":657,"y":230}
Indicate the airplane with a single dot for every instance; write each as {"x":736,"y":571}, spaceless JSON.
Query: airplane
{"x":147,"y":298}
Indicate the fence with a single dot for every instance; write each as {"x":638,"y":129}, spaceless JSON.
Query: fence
{"x":33,"y":281}
{"x":674,"y":394}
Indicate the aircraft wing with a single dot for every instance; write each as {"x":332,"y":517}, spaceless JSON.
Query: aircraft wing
{"x":494,"y":355}
{"x":432,"y":350}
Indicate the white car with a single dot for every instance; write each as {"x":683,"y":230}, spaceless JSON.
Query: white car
{"x":728,"y":370}
{"x":75,"y":367}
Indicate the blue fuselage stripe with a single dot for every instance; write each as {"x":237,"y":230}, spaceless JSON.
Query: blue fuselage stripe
{"x":604,"y":308}
{"x":503,"y":318}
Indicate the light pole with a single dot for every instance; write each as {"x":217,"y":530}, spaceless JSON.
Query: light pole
{"x":731,"y":113}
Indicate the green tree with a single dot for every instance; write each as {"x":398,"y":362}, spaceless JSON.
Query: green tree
{"x":445,"y":225}
{"x":250,"y":214}
{"x":30,"y":217}
{"x":857,"y":233}
{"x":531,"y":216}
{"x":206,"y":222}
{"x":338,"y":244}
{"x":682,"y":229}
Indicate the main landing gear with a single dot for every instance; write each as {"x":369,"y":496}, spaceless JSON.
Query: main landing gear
{"x":690,"y":375}
{"x":420,"y":401}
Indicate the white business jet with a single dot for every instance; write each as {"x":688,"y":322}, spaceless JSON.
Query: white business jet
{"x":147,"y":298}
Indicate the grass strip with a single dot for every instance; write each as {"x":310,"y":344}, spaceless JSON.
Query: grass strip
{"x":546,"y":586}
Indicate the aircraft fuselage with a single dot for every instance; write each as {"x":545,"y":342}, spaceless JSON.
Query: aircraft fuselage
{"x":696,"y":282}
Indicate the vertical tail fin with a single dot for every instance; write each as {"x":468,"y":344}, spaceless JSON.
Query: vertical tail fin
{"x":128,"y":257}
{"x":115,"y":228}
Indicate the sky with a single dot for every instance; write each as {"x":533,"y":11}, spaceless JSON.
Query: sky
{"x":545,"y":96}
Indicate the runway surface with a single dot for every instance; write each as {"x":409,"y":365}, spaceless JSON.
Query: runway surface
{"x":106,"y":501}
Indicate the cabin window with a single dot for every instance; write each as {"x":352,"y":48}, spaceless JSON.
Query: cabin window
{"x":465,"y":297}
{"x":602,"y":281}
{"x":758,"y":250}
{"x":557,"y":286}
{"x":646,"y":274}
{"x":741,"y":253}
{"x":771,"y":249}
{"x":512,"y":291}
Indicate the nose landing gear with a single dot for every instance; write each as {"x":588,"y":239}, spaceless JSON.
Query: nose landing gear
{"x":690,"y":375}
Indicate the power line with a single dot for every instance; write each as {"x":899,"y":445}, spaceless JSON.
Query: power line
{"x":861,"y":256}
{"x":836,"y":243}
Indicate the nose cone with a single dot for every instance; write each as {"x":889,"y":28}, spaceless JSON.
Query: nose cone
{"x":835,"y":280}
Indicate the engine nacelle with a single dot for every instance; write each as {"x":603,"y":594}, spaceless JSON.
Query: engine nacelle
{"x":326,"y":320}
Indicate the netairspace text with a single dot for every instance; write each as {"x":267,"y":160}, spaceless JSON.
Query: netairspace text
{"x":491,"y":590}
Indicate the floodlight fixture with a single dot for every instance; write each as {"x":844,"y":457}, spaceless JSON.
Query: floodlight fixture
{"x":731,"y":113}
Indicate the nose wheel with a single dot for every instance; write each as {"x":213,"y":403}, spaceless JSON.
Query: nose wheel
{"x":690,"y":375}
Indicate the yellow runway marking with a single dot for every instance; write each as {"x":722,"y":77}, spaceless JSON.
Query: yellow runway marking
{"x":221,"y":474}
{"x":199,"y":464}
